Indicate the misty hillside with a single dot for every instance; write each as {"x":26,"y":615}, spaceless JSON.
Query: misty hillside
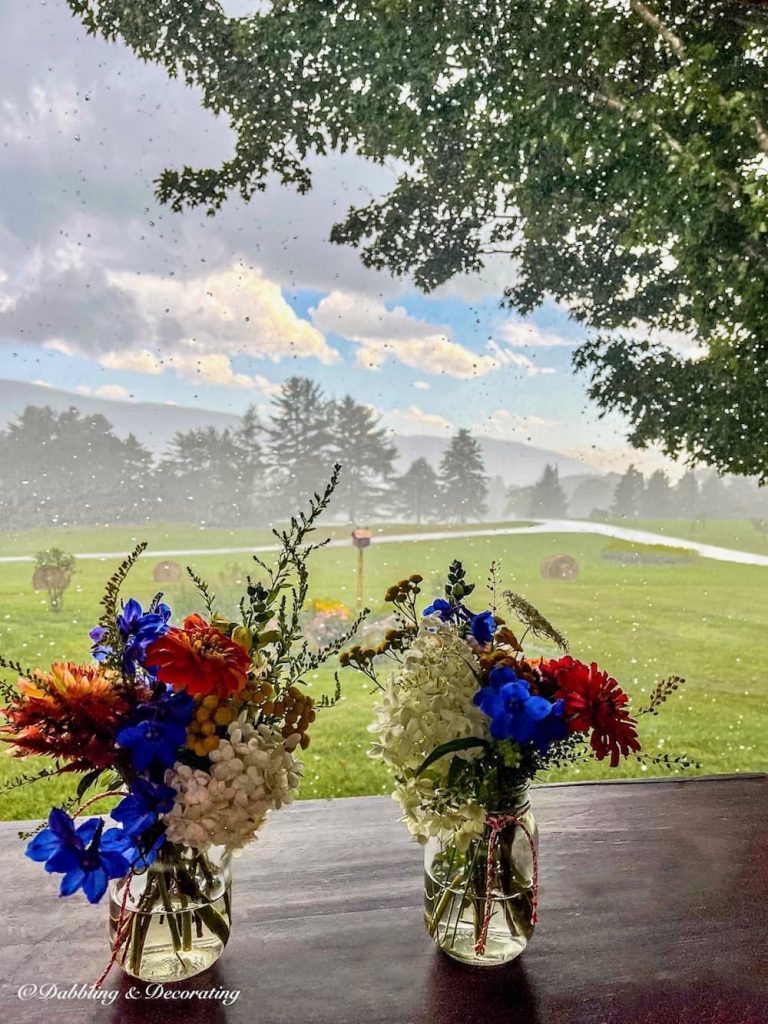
{"x":155,"y":424}
{"x":516,"y":463}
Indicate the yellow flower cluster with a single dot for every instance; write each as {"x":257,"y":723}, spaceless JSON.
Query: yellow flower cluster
{"x":213,"y":714}
{"x":297,"y":710}
{"x":210,"y":713}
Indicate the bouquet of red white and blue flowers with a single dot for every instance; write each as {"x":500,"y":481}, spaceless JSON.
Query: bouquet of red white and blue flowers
{"x":466,"y":720}
{"x":196,"y":730}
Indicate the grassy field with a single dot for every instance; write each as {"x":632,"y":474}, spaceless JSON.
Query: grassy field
{"x":738,"y":534}
{"x":704,"y":620}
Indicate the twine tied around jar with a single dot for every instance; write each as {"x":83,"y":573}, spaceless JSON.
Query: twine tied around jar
{"x":497,"y":823}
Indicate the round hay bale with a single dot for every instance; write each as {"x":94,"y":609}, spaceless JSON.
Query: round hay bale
{"x":167,"y":572}
{"x":50,"y":577}
{"x":559,"y":567}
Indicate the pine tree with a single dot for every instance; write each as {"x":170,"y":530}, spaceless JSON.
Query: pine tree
{"x":298,"y":450}
{"x":714,"y":500}
{"x":628,"y":494}
{"x":687,"y":496}
{"x":251,"y":495}
{"x":418,"y":492}
{"x":463,"y":485}
{"x":656,"y":499}
{"x":547,"y":495}
{"x":359,"y":443}
{"x":199,"y":478}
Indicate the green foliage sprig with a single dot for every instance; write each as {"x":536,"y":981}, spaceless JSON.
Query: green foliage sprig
{"x":533,"y":620}
{"x":659,"y":694}
{"x":673,"y":764}
{"x":209,"y":598}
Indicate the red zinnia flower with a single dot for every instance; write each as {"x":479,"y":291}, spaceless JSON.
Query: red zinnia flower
{"x":199,"y":659}
{"x":71,"y":713}
{"x":593,"y":700}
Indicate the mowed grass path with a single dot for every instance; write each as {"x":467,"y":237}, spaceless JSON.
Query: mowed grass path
{"x":173,"y":536}
{"x":705,"y":621}
{"x":738,"y":534}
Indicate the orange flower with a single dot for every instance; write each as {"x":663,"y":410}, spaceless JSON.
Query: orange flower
{"x":199,"y":659}
{"x":71,"y":713}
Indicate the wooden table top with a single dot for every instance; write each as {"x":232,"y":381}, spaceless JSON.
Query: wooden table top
{"x":653,"y":910}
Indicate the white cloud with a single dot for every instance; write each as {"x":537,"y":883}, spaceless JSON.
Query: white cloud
{"x":524,"y":334}
{"x":133,"y":361}
{"x":503,"y":424}
{"x":415,"y":421}
{"x":236,"y":310}
{"x":196,"y":326}
{"x":59,"y":345}
{"x":115,"y":392}
{"x":505,"y":357}
{"x":384,"y":334}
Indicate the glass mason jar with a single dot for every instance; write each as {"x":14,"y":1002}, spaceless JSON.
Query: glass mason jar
{"x":469,"y":920}
{"x":172,"y":920}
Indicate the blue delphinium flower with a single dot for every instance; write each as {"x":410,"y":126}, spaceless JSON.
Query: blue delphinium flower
{"x":156,"y":730}
{"x":137,"y":629}
{"x":516,"y":714}
{"x":448,"y":612}
{"x":139,"y":852}
{"x":441,"y":607}
{"x":141,"y":808}
{"x":482,"y":627}
{"x":78,"y":854}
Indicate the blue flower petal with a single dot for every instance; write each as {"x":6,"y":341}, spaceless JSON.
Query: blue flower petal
{"x":71,"y":882}
{"x":60,"y":823}
{"x":43,"y":846}
{"x":537,"y":708}
{"x":63,"y":860}
{"x":88,"y":830}
{"x":115,"y":864}
{"x":95,"y":884}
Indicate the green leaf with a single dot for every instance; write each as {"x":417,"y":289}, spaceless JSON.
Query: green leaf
{"x":87,"y":781}
{"x":466,"y":743}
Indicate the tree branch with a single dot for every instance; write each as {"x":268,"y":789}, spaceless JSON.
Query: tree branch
{"x":760,"y":134}
{"x":672,"y":40}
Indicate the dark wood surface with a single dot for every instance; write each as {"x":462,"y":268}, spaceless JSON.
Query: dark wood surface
{"x":654,"y":910}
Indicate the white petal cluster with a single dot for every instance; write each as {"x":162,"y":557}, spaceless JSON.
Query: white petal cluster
{"x":431,"y":812}
{"x":428,"y":703}
{"x":253,"y":771}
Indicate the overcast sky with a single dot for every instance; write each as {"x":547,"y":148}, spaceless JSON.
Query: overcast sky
{"x":104,"y":292}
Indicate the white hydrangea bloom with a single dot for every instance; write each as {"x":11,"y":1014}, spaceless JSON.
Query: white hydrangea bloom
{"x":426,"y":703}
{"x":253,"y":771}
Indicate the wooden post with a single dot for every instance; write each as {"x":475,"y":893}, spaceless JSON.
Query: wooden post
{"x":360,"y":590}
{"x":361,"y":539}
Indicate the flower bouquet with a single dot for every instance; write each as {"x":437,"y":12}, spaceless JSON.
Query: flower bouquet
{"x":467,"y":720}
{"x":196,"y":729}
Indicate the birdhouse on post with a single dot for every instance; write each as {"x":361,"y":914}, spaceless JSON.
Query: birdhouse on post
{"x":361,"y":539}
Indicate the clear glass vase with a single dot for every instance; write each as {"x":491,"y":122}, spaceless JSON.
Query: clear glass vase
{"x":173,"y":920}
{"x":468,"y":921}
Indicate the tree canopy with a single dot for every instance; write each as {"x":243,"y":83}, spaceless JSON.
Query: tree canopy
{"x":616,"y":152}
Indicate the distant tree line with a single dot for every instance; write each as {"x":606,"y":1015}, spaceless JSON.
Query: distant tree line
{"x":68,"y":468}
{"x":61,"y":468}
{"x":695,"y":496}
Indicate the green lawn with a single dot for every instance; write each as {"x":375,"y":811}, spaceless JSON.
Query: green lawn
{"x":738,"y":534}
{"x":704,"y":620}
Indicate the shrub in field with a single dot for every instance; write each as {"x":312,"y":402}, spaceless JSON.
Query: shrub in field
{"x":53,"y":573}
{"x":628,"y":553}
